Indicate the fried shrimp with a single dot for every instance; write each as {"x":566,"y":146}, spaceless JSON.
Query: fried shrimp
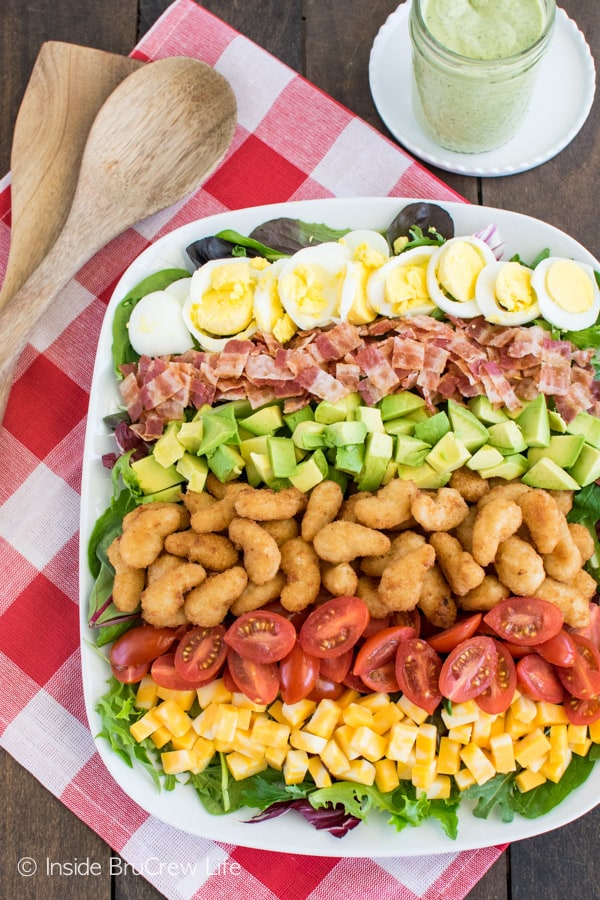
{"x":519,"y":567}
{"x":256,"y":595}
{"x":441,"y":511}
{"x":209,"y":603}
{"x":163,"y":599}
{"x":129,"y":582}
{"x":485,"y":596}
{"x":542,"y":517}
{"x":145,"y":529}
{"x":401,"y":583}
{"x":262,"y":556}
{"x":470,"y":485}
{"x":459,"y":568}
{"x":323,"y":505}
{"x":496,"y":521}
{"x":389,"y":508}
{"x":215,"y":516}
{"x":344,"y":541}
{"x":300,"y":564}
{"x":213,"y":551}
{"x":435,"y":600}
{"x":340,"y":579}
{"x":264,"y":504}
{"x":565,"y":560}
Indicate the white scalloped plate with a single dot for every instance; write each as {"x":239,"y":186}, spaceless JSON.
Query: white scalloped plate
{"x":181,"y":808}
{"x":561,"y":101}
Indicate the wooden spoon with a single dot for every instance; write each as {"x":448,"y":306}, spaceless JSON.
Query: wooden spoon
{"x":67,"y":87}
{"x":161,"y":132}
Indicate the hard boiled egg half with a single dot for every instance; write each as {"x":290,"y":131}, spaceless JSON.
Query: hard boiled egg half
{"x":369,"y":251}
{"x":399,"y":287}
{"x":270,"y":316}
{"x":567,"y":293}
{"x":311,"y":283}
{"x":156,"y":325}
{"x":220,"y":305}
{"x":452,"y":275}
{"x":505,"y":294}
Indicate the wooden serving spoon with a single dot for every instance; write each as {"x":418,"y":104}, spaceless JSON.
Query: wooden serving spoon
{"x":161,"y":132}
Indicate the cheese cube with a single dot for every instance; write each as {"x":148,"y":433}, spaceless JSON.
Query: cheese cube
{"x":185,"y":741}
{"x":426,"y":742}
{"x":554,"y":769}
{"x":448,"y":762}
{"x":310,"y":743}
{"x":244,"y":743}
{"x":203,"y":751}
{"x":411,"y":710}
{"x":531,"y":748}
{"x":145,"y":726}
{"x":335,"y":760}
{"x":477,"y":763}
{"x":461,"y":714}
{"x":203,"y":723}
{"x":515,"y":727}
{"x":423,"y":774}
{"x":385,"y":717}
{"x":173,"y":717}
{"x":356,"y":715}
{"x":295,"y":766}
{"x":242,"y":766}
{"x":440,"y":788}
{"x":482,"y":730}
{"x":349,"y":696}
{"x":361,"y":770}
{"x":147,"y":693}
{"x":246,"y":718}
{"x":213,"y":692}
{"x":176,"y":761}
{"x":559,"y":742}
{"x":404,"y":769}
{"x":324,"y":719}
{"x":527,"y":780}
{"x":594,"y":731}
{"x":577,"y":734}
{"x":581,"y":749}
{"x":183,"y":699}
{"x":161,"y":737}
{"x":240,"y":699}
{"x":402,"y":738}
{"x":225,"y":722}
{"x":502,"y":752}
{"x":524,"y":709}
{"x":464,"y":779}
{"x":368,"y":743}
{"x":386,"y":775}
{"x":461,"y":733}
{"x":295,"y":714}
{"x":497,"y":726}
{"x":375,"y":702}
{"x":343,"y":735}
{"x":269,"y":733}
{"x":275,"y":756}
{"x":550,"y":714}
{"x":321,"y":776}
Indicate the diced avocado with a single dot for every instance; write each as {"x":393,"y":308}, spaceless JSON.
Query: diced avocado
{"x":257,"y":444}
{"x":391,"y":471}
{"x":448,"y":454}
{"x":557,"y":423}
{"x":511,"y":467}
{"x":546,"y":474}
{"x":309,"y":435}
{"x":226,"y":463}
{"x":310,"y":472}
{"x":466,"y":427}
{"x":563,"y":449}
{"x":217,"y":430}
{"x":267,"y":420}
{"x":588,"y":426}
{"x":338,"y":434}
{"x":378,"y":453}
{"x":401,"y":404}
{"x":305,"y":414}
{"x":410,"y":451}
{"x":587,"y":466}
{"x":223,"y":411}
{"x":282,"y":454}
{"x":370,"y":416}
{"x":420,"y":415}
{"x":400,"y":426}
{"x":261,"y":465}
{"x":190,"y":435}
{"x":432,"y":429}
{"x":327,"y":412}
{"x":241,"y":408}
{"x":486,"y":457}
{"x":350,"y":458}
{"x":334,"y":475}
{"x":424,"y":476}
{"x":169,"y":495}
{"x":513,"y":413}
{"x":194,"y":469}
{"x":152,"y":477}
{"x":351,"y":401}
{"x":168,"y":449}
{"x":534,"y":423}
{"x":507,"y":438}
{"x":485,"y":411}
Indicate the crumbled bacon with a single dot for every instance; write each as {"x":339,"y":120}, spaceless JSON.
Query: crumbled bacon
{"x":441,"y":359}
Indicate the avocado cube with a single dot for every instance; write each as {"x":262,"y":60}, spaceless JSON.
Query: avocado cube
{"x":433,"y":428}
{"x":402,"y":404}
{"x":152,"y":477}
{"x":310,"y":472}
{"x":424,"y":476}
{"x":267,"y":420}
{"x":327,"y":412}
{"x":226,"y":463}
{"x":546,"y":474}
{"x":534,"y":423}
{"x":255,"y":444}
{"x":190,"y":435}
{"x":217,"y":430}
{"x":588,"y":426}
{"x":466,"y":427}
{"x":587,"y":466}
{"x":400,"y":426}
{"x":309,"y":435}
{"x":507,"y":437}
{"x":563,"y":449}
{"x":485,"y":411}
{"x":511,"y":467}
{"x":282,"y":455}
{"x":334,"y":475}
{"x":370,"y":416}
{"x":305,"y":414}
{"x":557,"y":423}
{"x":448,"y":454}
{"x":168,"y":449}
{"x":350,"y":458}
{"x":410,"y":451}
{"x":339,"y":434}
{"x":194,"y":469}
{"x":378,"y":453}
{"x":259,"y":469}
{"x":484,"y":458}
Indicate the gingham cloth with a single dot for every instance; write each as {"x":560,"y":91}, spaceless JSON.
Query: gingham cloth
{"x":292,"y":142}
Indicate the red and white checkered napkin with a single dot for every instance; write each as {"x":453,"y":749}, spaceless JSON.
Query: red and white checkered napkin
{"x":292,"y":142}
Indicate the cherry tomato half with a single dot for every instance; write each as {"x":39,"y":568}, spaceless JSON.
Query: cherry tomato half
{"x":336,"y":667}
{"x":261,"y":636}
{"x":559,"y":650}
{"x":326,"y":689}
{"x":525,"y":620}
{"x":382,"y":679}
{"x":538,"y":679}
{"x":381,"y":647}
{"x":298,"y":673}
{"x":130,"y":674}
{"x":582,"y":712}
{"x":469,"y":669}
{"x":447,"y":640}
{"x":166,"y":675}
{"x":582,"y":679}
{"x":417,"y":671}
{"x":258,"y":681}
{"x":591,"y":631}
{"x":499,"y":695}
{"x":141,"y":645}
{"x":201,"y":653}
{"x":334,"y":627}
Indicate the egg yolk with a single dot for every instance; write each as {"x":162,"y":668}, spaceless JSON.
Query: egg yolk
{"x":513,"y":288}
{"x":311,"y":287}
{"x":360,"y":312}
{"x":369,"y":256}
{"x":569,"y":286}
{"x":458,"y":268}
{"x":227,"y":306}
{"x":406,"y":286}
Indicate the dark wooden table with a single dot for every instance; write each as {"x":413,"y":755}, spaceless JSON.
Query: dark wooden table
{"x":329,"y":42}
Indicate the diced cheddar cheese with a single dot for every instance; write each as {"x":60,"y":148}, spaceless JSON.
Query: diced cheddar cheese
{"x":524,"y":709}
{"x":295,"y":766}
{"x":423,"y":775}
{"x":161,"y":737}
{"x":368,"y":744}
{"x":554,"y":769}
{"x":321,"y":776}
{"x":185,"y":741}
{"x":502,"y":753}
{"x":214,"y":692}
{"x":577,"y":734}
{"x":440,"y":788}
{"x":404,"y":769}
{"x":295,"y":714}
{"x":225,"y":723}
{"x":526,"y":780}
{"x":594,"y":730}
{"x":461,"y":714}
{"x":375,"y":702}
{"x":145,"y":726}
{"x":531,"y":748}
{"x":275,"y":756}
{"x":464,"y":779}
{"x":550,"y":714}
{"x":239,"y":699}
{"x":402,"y":738}
{"x":516,"y":728}
{"x":386,"y":775}
{"x":461,"y":733}
{"x":245,"y":744}
{"x":183,"y":699}
{"x":477,"y":763}
{"x":147,"y":693}
{"x":342,"y":735}
{"x":271,"y":734}
{"x":361,"y":771}
{"x":426,"y":742}
{"x":335,"y":760}
{"x":449,"y":756}
{"x":203,"y":751}
{"x":384,"y":718}
{"x":324,"y":719}
{"x":242,"y":766}
{"x":173,"y":717}
{"x":310,"y":743}
{"x":356,"y":715}
{"x":176,"y":761}
{"x":411,"y":710}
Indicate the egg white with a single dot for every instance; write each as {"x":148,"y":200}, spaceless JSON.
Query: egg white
{"x":489,"y":304}
{"x":553,"y":312}
{"x":365,"y":245}
{"x":270,"y":316}
{"x":376,"y":285}
{"x":156,"y":325}
{"x":311,"y":283}
{"x":463,"y":309}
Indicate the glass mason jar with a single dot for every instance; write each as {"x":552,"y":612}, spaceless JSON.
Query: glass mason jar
{"x":468,"y":104}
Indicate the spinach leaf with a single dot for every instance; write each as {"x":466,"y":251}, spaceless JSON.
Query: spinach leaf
{"x":544,"y":798}
{"x":285,"y":236}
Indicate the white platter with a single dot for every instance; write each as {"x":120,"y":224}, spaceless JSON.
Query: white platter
{"x":181,"y":808}
{"x":561,"y":101}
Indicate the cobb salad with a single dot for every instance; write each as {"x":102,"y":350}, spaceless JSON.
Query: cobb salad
{"x":323,"y":577}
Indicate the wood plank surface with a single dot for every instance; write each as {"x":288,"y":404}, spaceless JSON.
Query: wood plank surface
{"x":328,"y":41}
